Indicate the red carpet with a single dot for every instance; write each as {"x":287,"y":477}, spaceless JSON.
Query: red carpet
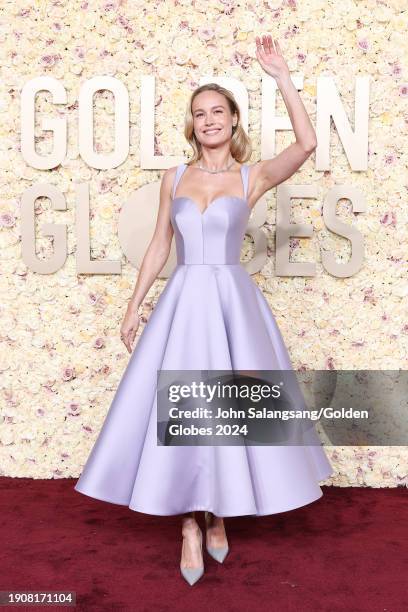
{"x":345,"y":551}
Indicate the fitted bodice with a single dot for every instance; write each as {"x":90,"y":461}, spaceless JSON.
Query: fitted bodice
{"x":214,"y":236}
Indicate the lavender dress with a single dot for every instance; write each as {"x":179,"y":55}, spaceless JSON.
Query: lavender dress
{"x":210,"y":316}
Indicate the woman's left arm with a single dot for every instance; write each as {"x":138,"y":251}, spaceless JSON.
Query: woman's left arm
{"x":271,"y":172}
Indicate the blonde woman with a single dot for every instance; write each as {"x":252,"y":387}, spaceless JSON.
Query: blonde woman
{"x":210,"y":316}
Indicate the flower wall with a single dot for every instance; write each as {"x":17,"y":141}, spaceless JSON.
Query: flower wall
{"x":61,"y":355}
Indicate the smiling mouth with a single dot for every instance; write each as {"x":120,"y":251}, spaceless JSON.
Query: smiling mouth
{"x":211,"y":132}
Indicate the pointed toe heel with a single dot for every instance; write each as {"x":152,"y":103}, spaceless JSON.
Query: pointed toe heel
{"x":192,"y":574}
{"x":218,"y":554}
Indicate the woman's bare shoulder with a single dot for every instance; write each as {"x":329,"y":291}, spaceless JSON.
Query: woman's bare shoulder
{"x":170,"y":172}
{"x":169,"y":175}
{"x":255,"y":190}
{"x":254,"y":168}
{"x":167,"y":180}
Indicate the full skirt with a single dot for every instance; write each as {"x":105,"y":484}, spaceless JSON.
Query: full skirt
{"x":208,"y":317}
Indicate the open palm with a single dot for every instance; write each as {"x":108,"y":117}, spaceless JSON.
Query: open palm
{"x":270,"y":56}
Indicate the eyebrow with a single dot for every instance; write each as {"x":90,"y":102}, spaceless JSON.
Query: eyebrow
{"x":216,"y":106}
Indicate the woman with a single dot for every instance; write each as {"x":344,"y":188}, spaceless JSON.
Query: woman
{"x":211,"y":315}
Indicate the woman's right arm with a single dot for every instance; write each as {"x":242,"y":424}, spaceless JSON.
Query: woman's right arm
{"x":153,"y":261}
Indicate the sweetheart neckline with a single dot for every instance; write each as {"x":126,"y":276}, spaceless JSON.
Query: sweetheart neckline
{"x":245,"y":200}
{"x":202,"y":213}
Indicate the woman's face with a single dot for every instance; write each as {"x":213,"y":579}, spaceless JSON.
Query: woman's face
{"x":212,"y":117}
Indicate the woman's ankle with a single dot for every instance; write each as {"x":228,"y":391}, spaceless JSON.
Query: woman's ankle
{"x":214,"y":521}
{"x":189,"y":525}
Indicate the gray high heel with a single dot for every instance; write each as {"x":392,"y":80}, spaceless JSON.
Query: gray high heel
{"x":217,"y":553}
{"x":192,"y":574}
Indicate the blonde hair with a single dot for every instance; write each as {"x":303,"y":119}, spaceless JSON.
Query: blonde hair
{"x":241,"y":147}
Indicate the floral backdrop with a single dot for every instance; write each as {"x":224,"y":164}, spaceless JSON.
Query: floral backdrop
{"x":61,"y":356}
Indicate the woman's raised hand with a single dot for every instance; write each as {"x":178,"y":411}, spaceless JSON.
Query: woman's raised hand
{"x":270,"y":56}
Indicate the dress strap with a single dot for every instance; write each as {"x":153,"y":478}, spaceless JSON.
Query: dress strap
{"x":179,"y":171}
{"x":245,"y":177}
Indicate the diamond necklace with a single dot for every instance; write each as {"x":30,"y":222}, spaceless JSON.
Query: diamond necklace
{"x":216,"y":171}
